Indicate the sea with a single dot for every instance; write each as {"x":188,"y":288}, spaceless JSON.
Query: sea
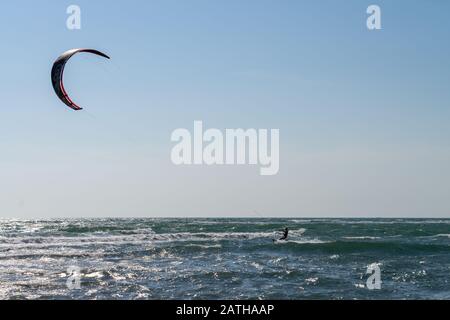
{"x":237,"y":259}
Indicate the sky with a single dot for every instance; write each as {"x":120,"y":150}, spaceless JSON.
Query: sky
{"x":363,"y":115}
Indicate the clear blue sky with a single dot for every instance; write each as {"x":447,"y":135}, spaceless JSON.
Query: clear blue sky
{"x":363,"y":115}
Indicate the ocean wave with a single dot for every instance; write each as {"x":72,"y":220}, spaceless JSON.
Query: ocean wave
{"x":301,"y":220}
{"x":441,"y":235}
{"x":362,"y":238}
{"x":339,"y":247}
{"x":387,"y":247}
{"x":215,"y":236}
{"x":384,"y":221}
{"x":204,"y":246}
{"x":306,"y":241}
{"x":26,"y":242}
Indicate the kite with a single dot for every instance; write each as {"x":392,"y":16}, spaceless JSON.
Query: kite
{"x":58,"y":72}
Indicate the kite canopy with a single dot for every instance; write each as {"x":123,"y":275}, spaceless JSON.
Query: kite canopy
{"x":58,"y":72}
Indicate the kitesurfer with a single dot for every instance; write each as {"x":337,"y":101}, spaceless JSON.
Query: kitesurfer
{"x":285,"y":234}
